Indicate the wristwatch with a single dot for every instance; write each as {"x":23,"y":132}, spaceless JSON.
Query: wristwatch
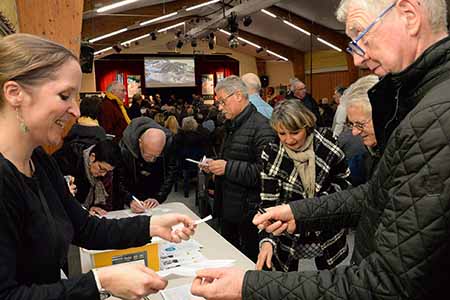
{"x":104,"y":294}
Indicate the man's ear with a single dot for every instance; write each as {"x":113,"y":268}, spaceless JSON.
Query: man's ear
{"x":13,"y":93}
{"x":411,"y":13}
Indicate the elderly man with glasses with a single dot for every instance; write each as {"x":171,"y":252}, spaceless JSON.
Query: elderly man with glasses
{"x":402,"y":215}
{"x":148,"y":168}
{"x":237,"y":169}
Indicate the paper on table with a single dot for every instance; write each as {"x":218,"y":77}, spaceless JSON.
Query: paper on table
{"x":191,"y":270}
{"x":182,"y":292}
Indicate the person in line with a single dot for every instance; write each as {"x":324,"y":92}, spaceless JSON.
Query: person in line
{"x":39,"y":219}
{"x":84,"y":133}
{"x":359,"y":121}
{"x":306,"y":162}
{"x":298,"y":91}
{"x":402,"y":238}
{"x":113,"y":116}
{"x":340,"y":114}
{"x":239,"y":164}
{"x":148,"y":168}
{"x":98,"y":186}
{"x":253,"y":84}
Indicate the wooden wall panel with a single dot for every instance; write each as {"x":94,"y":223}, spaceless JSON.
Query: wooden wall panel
{"x":323,"y":84}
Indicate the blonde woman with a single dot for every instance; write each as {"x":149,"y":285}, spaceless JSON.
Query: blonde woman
{"x":306,"y":162}
{"x":172,"y":124}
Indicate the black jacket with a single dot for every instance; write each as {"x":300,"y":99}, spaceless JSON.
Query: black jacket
{"x":237,"y":191}
{"x":140,"y":177}
{"x":35,"y":233}
{"x":402,"y":214}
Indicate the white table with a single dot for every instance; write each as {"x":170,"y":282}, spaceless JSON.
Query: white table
{"x":215,"y":246}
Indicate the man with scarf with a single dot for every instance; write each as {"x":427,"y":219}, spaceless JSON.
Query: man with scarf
{"x":113,"y":116}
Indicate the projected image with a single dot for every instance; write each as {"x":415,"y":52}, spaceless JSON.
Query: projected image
{"x":169,"y":72}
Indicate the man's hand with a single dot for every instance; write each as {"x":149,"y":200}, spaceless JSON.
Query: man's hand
{"x":161,"y":226}
{"x":130,"y":281}
{"x":137,"y":207}
{"x":204,"y":166}
{"x":276,"y":220}
{"x":265,"y":256}
{"x":217,"y":167}
{"x":223,"y":283}
{"x":97,"y":211}
{"x":150,"y":203}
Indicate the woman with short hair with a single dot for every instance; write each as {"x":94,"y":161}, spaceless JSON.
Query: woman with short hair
{"x":305,"y":163}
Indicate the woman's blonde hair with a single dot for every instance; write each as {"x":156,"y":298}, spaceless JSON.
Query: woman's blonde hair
{"x":172,"y":124}
{"x":29,"y":60}
{"x":293,"y":115}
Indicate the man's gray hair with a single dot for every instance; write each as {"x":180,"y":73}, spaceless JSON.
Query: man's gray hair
{"x":293,"y":82}
{"x":232,"y":84}
{"x":113,"y":86}
{"x":436,"y":10}
{"x":252,"y":81}
{"x":356,"y":94}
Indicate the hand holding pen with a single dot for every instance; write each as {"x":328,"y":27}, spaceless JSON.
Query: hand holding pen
{"x":275,"y":220}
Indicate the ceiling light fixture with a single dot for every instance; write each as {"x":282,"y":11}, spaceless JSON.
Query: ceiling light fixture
{"x":115,"y":5}
{"x":201,"y":5}
{"x":296,"y":27}
{"x":179,"y":44}
{"x":103,"y":50}
{"x":153,"y":36}
{"x":233,"y":42}
{"x":107,"y":35}
{"x":224,"y":31}
{"x":193,"y":42}
{"x":329,"y":44}
{"x":277,"y":55}
{"x":268,"y":13}
{"x":158,"y":19}
{"x":170,"y":27}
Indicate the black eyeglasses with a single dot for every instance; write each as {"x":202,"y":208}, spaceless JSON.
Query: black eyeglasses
{"x":358,"y":125}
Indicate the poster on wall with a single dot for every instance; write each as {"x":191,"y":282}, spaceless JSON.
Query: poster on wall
{"x":208,"y":86}
{"x":219,"y":76}
{"x":134,"y":85}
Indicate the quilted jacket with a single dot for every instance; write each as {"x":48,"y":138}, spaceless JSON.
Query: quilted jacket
{"x":402,"y":247}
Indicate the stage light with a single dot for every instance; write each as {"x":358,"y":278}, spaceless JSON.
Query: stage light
{"x":233,"y":42}
{"x":211,"y":41}
{"x":193,"y":42}
{"x":247,"y":21}
{"x":117,"y":48}
{"x":259,"y":50}
{"x":153,"y":36}
{"x":233,"y":25}
{"x":179,"y":44}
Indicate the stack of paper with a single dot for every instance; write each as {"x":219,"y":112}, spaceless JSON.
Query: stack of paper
{"x":182,"y":292}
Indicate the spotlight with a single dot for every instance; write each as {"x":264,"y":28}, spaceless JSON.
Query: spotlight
{"x":126,"y":46}
{"x":179,"y":44}
{"x":153,"y":36}
{"x":233,"y":25}
{"x":259,"y":50}
{"x":211,"y":41}
{"x":117,"y":48}
{"x":247,"y":20}
{"x":233,"y":42}
{"x":178,"y":34}
{"x":194,"y":42}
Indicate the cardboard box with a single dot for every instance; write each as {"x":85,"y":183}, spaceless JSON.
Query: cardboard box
{"x":147,"y":255}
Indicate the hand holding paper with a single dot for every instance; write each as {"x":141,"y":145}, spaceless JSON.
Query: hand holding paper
{"x":161,"y":226}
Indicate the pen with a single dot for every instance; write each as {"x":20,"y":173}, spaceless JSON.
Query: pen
{"x":139,"y":202}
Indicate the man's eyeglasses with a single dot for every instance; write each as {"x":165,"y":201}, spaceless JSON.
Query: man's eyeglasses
{"x":358,"y":125}
{"x":221,"y":101}
{"x":353,"y":47}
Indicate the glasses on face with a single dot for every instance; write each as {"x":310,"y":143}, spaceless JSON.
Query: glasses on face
{"x":221,"y":101}
{"x":353,"y":47}
{"x":358,"y":125}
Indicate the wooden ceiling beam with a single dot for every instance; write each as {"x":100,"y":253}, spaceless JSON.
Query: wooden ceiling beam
{"x":103,"y":24}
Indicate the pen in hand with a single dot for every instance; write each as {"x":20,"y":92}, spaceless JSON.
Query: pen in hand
{"x":139,"y":202}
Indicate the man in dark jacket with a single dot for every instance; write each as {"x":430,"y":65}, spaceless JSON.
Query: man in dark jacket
{"x":148,"y":161}
{"x":239,"y":165}
{"x":298,"y":91}
{"x":402,"y":214}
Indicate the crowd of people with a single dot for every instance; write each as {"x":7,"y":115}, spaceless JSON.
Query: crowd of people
{"x":289,"y":177}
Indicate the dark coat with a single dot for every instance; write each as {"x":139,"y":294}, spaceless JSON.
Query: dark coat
{"x":142,"y":178}
{"x":312,"y":105}
{"x":402,"y":241}
{"x":237,"y":191}
{"x":35,"y":233}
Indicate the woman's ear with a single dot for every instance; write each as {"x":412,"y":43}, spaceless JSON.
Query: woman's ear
{"x":13,"y":93}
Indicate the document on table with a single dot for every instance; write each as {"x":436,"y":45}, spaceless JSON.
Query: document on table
{"x":190,"y":270}
{"x":182,"y":292}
